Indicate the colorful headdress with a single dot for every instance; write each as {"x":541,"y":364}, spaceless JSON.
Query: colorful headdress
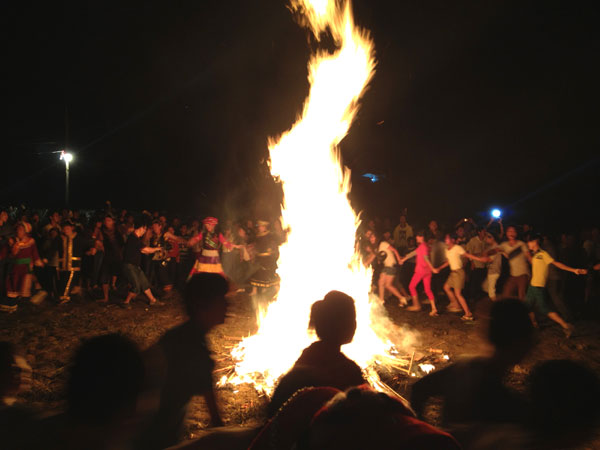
{"x":210,"y":221}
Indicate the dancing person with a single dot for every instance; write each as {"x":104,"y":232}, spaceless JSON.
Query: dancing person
{"x":132,"y":259}
{"x":456,"y":280}
{"x":423,"y":270}
{"x":322,"y":363}
{"x":389,"y":257}
{"x":111,"y":243}
{"x":536,"y":297}
{"x":25,"y":256}
{"x":494,"y":268}
{"x":518,"y":260}
{"x":180,"y":364}
{"x":477,"y":245}
{"x":73,"y":248}
{"x":210,"y":242}
{"x":264,"y":280}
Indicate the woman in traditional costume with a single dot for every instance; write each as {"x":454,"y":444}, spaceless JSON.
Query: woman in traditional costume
{"x":210,"y":241}
{"x":25,"y":256}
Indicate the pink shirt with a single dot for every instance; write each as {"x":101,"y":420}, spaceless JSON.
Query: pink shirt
{"x":421,"y":264}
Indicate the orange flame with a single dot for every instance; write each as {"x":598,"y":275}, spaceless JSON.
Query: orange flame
{"x":319,"y":254}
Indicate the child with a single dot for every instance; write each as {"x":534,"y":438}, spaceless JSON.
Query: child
{"x":536,"y":292}
{"x":323,"y":363}
{"x":423,"y":269}
{"x":456,"y":280}
{"x":388,"y":273}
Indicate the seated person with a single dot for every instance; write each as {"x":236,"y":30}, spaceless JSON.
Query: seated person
{"x":322,"y":363}
{"x":473,"y":390}
{"x":105,"y":381}
{"x":15,"y":377}
{"x":360,"y":418}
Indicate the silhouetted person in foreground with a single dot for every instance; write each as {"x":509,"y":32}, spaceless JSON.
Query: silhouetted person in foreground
{"x":181,"y":362}
{"x":565,"y":404}
{"x":15,"y":376}
{"x":322,"y":363}
{"x":103,"y":389}
{"x":360,"y":418}
{"x":473,"y":391}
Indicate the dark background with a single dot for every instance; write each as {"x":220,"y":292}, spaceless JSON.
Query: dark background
{"x":169,"y":105}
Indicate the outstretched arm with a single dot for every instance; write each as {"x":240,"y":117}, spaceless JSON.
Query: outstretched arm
{"x":483,"y":259}
{"x":570,"y":269}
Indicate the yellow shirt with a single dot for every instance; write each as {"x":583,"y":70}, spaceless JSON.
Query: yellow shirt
{"x":539,"y":268}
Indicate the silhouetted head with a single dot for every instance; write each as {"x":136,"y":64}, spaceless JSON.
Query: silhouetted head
{"x":362,"y":418}
{"x":565,"y":398}
{"x":334,"y":318}
{"x":204,"y":297}
{"x":510,"y":330}
{"x":106,"y":378}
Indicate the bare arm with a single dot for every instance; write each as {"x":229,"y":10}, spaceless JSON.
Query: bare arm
{"x":439,"y":268}
{"x":483,"y":259}
{"x":396,"y":254}
{"x":570,"y":269}
{"x":149,"y":250}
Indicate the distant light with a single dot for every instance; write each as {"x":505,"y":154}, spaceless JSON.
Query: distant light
{"x":496,"y":213}
{"x":372,"y":177}
{"x":66,"y":157}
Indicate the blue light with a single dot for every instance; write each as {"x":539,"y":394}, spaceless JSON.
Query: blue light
{"x":374,"y":178}
{"x":496,"y":213}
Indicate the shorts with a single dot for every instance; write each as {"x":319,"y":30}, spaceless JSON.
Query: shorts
{"x":536,"y":299}
{"x":137,"y":279}
{"x":387,"y":270}
{"x":456,"y":279}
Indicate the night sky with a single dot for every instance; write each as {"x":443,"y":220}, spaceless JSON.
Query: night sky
{"x":169,"y":105}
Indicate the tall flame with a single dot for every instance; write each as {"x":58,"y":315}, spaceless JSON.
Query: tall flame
{"x":319,"y":254}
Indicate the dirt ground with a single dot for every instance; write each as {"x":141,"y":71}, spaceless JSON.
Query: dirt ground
{"x":48,"y":335}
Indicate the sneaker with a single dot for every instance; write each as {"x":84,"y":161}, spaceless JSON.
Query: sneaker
{"x":8,"y":308}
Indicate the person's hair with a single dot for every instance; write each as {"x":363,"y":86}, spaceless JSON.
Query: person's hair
{"x":106,"y":378}
{"x":494,"y":236}
{"x":420,"y":233}
{"x":140,"y":222}
{"x":509,"y":323}
{"x":334,"y":317}
{"x":202,"y":290}
{"x":452,"y":236}
{"x":534,"y":237}
{"x":364,"y":418}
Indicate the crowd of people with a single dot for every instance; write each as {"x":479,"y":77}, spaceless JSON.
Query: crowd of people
{"x":469,"y":261}
{"x":58,"y":255}
{"x":121,"y":397}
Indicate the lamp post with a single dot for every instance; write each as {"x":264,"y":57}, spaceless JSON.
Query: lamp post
{"x":67,"y":158}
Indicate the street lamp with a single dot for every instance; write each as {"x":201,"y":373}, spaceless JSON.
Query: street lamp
{"x":67,"y":158}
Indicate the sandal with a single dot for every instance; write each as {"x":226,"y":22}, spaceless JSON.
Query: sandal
{"x":414,"y":308}
{"x":454,"y":310}
{"x":434,"y":314}
{"x":468,"y":318}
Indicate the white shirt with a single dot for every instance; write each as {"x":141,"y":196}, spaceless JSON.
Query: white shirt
{"x":390,"y":259}
{"x":454,"y":257}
